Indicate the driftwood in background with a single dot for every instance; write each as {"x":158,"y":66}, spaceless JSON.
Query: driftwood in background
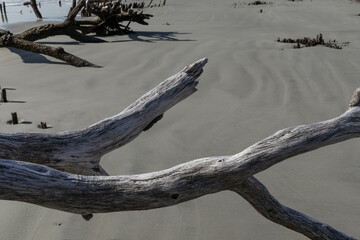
{"x":8,"y":40}
{"x":33,"y":5}
{"x":79,"y":152}
{"x":110,"y":16}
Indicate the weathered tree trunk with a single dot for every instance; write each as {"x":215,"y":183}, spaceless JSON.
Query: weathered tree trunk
{"x":80,"y":151}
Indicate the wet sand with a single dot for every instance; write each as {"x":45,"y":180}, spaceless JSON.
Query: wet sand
{"x":251,"y":87}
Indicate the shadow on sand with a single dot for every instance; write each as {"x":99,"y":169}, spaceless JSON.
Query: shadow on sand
{"x":148,"y":37}
{"x":30,"y":57}
{"x":153,"y":37}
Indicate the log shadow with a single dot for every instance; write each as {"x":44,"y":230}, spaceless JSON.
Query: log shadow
{"x":60,"y":43}
{"x":153,"y":37}
{"x":15,"y":101}
{"x":9,"y":122}
{"x":30,"y":57}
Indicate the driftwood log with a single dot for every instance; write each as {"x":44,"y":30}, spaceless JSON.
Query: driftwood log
{"x":79,"y":152}
{"x":110,"y":15}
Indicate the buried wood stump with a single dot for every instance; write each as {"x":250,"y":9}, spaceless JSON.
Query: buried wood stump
{"x":3,"y":95}
{"x":51,"y":170}
{"x":14,"y":118}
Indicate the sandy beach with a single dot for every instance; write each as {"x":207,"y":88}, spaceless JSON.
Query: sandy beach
{"x":251,"y":87}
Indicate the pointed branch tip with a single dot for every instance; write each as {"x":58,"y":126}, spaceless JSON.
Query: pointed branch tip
{"x":355,"y":100}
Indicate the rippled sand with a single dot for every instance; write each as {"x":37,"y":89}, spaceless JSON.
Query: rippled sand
{"x":251,"y":87}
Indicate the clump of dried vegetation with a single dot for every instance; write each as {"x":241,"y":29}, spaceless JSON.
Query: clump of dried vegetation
{"x":312,"y":42}
{"x":258,"y":3}
{"x":254,"y":3}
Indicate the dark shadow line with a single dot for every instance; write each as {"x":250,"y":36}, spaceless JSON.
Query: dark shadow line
{"x":21,"y":122}
{"x":30,"y":57}
{"x":61,"y":43}
{"x":15,"y":102}
{"x":153,"y":37}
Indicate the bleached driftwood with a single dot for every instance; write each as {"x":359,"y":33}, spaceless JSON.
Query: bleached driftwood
{"x":80,"y":151}
{"x":259,"y":197}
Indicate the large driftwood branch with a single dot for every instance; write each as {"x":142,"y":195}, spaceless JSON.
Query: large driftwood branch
{"x":259,"y":197}
{"x":95,"y":194}
{"x":85,"y":195}
{"x":80,"y":151}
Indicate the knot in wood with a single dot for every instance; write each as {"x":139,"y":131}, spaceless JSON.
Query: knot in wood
{"x":355,"y":100}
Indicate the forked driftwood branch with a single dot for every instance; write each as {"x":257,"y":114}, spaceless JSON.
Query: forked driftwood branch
{"x":79,"y":152}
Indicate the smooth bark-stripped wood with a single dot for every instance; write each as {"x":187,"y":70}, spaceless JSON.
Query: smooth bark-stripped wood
{"x":80,"y":151}
{"x":253,"y":191}
{"x":26,"y":182}
{"x":8,"y":40}
{"x":171,"y":186}
{"x":85,"y":195}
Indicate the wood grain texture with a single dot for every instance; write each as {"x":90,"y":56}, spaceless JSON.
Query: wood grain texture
{"x":22,"y":179}
{"x":168,"y":187}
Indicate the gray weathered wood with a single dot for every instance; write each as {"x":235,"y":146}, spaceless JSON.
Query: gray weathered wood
{"x":253,"y":191}
{"x":80,"y":151}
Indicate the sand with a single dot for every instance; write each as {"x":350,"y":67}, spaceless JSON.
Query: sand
{"x":251,"y":87}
